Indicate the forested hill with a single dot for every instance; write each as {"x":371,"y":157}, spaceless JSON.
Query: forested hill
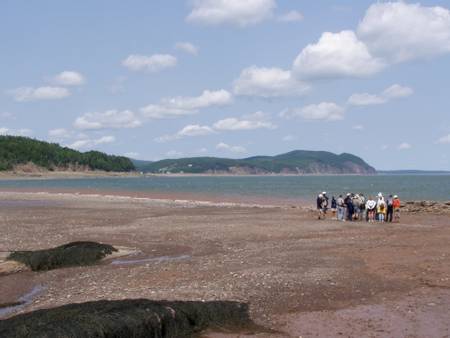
{"x":16,"y":150}
{"x":294,"y":162}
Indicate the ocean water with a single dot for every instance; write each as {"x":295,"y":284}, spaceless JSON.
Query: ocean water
{"x":408,"y":187}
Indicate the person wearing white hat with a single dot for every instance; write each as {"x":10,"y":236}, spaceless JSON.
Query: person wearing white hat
{"x":381,"y":209}
{"x":322,"y":204}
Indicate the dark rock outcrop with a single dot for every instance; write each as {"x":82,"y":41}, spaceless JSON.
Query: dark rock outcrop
{"x":426,"y":206}
{"x":71,"y":254}
{"x":127,"y":318}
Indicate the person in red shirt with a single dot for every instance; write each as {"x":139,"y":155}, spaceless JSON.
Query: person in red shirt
{"x":396,"y":205}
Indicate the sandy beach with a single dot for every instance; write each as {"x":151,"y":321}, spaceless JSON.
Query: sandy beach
{"x":301,"y":277}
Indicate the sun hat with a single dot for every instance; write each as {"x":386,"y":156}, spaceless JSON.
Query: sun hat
{"x":395,"y":196}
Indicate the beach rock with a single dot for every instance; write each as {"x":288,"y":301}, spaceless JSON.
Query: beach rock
{"x":127,"y":318}
{"x":71,"y":254}
{"x":426,"y":206}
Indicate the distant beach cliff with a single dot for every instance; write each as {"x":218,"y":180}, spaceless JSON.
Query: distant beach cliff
{"x":296,"y":162}
{"x":21,"y":154}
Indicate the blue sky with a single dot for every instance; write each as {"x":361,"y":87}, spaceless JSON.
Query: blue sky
{"x":232,"y":78}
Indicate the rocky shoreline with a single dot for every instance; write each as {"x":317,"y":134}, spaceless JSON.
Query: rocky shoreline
{"x":434,"y":207}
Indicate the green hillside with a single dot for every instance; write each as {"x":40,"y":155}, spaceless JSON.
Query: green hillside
{"x":294,"y":162}
{"x":15,"y":150}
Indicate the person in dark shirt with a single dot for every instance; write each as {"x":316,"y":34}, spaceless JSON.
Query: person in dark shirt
{"x":333,"y":206}
{"x":349,"y":206}
{"x":322,"y":204}
{"x":390,"y":208}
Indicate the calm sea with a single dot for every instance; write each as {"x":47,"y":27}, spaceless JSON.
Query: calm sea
{"x":408,"y":187}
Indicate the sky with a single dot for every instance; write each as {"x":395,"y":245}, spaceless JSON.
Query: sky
{"x":230,"y":78}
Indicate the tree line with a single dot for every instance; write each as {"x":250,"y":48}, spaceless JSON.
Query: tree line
{"x":16,"y":150}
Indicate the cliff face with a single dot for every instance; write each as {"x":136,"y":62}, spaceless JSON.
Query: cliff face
{"x":294,"y":163}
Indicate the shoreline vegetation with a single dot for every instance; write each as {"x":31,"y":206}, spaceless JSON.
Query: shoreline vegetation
{"x":30,"y":158}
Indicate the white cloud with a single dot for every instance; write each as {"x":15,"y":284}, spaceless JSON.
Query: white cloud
{"x":60,"y":133}
{"x":268,"y":82}
{"x":404,"y":146}
{"x":336,"y":55}
{"x":395,"y":91}
{"x":153,"y":63}
{"x":157,"y":111}
{"x":16,"y":132}
{"x":258,"y":120}
{"x":182,"y":106}
{"x":187,"y":47}
{"x":232,"y":149}
{"x":206,"y":99}
{"x":187,"y":131}
{"x":399,"y":31}
{"x":24,"y":94}
{"x":291,"y":16}
{"x":110,"y":119}
{"x":365,"y":99}
{"x":195,"y":130}
{"x":444,"y":139}
{"x":69,"y":78}
{"x":236,"y":12}
{"x":327,"y":111}
{"x":89,"y":143}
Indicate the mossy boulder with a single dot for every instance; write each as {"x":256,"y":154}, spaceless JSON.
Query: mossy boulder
{"x":127,"y":318}
{"x":71,"y":254}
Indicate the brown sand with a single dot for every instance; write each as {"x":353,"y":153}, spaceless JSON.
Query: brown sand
{"x":301,"y":277}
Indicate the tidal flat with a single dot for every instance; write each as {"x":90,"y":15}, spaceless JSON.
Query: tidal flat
{"x":299,"y":276}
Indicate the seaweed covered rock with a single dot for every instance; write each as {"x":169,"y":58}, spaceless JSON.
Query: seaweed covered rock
{"x":71,"y":254}
{"x":127,"y":318}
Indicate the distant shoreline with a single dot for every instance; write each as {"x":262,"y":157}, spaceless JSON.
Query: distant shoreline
{"x":8,"y":175}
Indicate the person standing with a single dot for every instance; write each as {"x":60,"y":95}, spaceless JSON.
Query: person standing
{"x":325,"y":196}
{"x":371,"y":209}
{"x":349,"y":206}
{"x":381,"y":208}
{"x":321,"y":206}
{"x":390,"y":208}
{"x":333,"y":206}
{"x":363,"y":208}
{"x":340,"y":208}
{"x":356,"y":206}
{"x":396,"y":205}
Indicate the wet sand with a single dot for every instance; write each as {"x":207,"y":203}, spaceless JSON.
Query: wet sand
{"x":301,"y":277}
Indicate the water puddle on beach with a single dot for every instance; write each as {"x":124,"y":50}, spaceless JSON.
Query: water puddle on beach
{"x":22,"y":302}
{"x":157,"y":260}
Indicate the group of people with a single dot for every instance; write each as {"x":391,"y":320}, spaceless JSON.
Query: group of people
{"x":356,"y":207}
